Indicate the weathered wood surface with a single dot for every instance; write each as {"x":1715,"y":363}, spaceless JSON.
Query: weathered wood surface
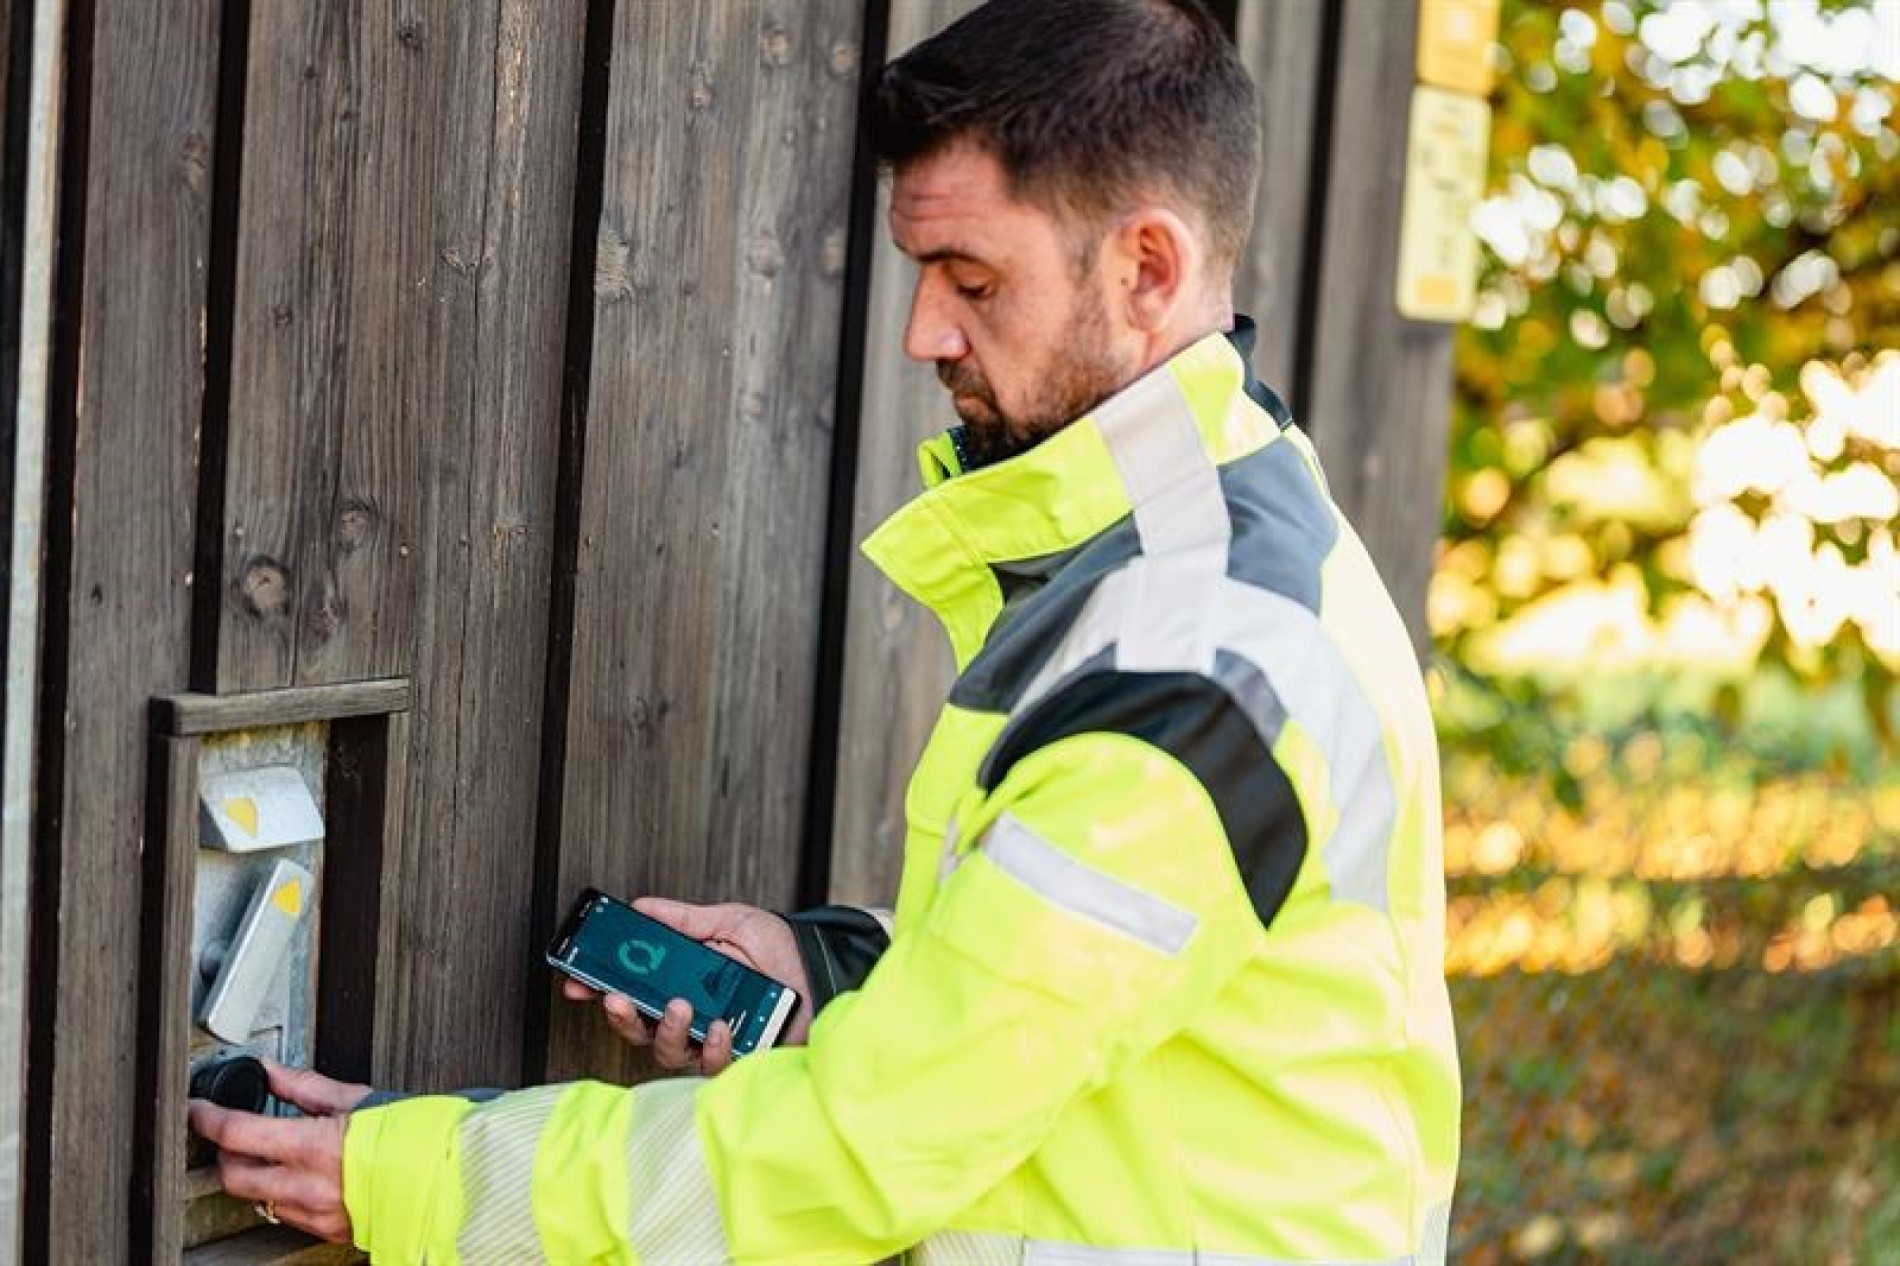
{"x":1280,"y":42}
{"x":1381,"y":388}
{"x":332,"y":389}
{"x":463,"y":861}
{"x":192,"y":713}
{"x":718,"y":277}
{"x":29,"y":123}
{"x":897,"y":662}
{"x":271,"y":1246}
{"x":127,"y":380}
{"x":156,"y":1229}
{"x":389,"y":495}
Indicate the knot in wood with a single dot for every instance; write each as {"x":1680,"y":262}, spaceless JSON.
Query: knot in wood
{"x":775,"y":46}
{"x":699,"y":91}
{"x":355,"y":525}
{"x":613,"y":265}
{"x":264,"y":589}
{"x":322,"y":625}
{"x":831,"y":253}
{"x":194,"y":155}
{"x":843,"y":59}
{"x":764,"y":255}
{"x":409,"y":33}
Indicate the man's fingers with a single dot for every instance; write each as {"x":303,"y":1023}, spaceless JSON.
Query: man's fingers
{"x":574,"y":991}
{"x":627,"y":1020}
{"x":672,"y":1040}
{"x":235,"y":1131}
{"x":702,"y":923}
{"x":717,"y":1052}
{"x":312,"y":1091}
{"x":299,"y":1197}
{"x":281,"y":1139}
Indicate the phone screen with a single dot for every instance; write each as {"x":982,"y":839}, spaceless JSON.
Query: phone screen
{"x":610,"y":945}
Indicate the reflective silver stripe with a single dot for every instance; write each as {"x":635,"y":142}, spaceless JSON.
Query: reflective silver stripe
{"x":1171,"y":481}
{"x":989,"y":1248}
{"x":1080,"y":889}
{"x":967,"y":1248}
{"x":884,"y":919}
{"x":676,"y":1214}
{"x":1156,"y":615}
{"x":1437,"y":1237}
{"x":1306,"y":669}
{"x":498,"y":1146}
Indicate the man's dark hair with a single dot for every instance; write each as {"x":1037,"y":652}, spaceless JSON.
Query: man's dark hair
{"x":1087,"y":105}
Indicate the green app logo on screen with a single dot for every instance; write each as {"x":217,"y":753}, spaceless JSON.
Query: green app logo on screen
{"x":642,"y":958}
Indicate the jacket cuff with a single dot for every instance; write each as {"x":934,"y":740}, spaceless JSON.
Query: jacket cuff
{"x":839,"y":946}
{"x":412,"y":1145}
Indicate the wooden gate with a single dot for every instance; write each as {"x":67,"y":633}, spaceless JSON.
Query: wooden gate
{"x":500,"y":386}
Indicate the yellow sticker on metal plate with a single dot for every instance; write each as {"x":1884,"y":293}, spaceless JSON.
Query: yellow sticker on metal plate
{"x":289,"y":898}
{"x":1454,"y":43}
{"x":242,"y":810}
{"x":1445,"y":151}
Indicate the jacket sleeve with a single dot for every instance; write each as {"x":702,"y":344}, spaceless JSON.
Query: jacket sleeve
{"x":1092,"y":908}
{"x":838,"y":945}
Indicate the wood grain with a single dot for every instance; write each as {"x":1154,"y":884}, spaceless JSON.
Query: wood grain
{"x":271,"y":1246}
{"x":117,"y":618}
{"x":718,"y":277}
{"x":464,"y":859}
{"x":390,"y":470}
{"x":897,"y":665}
{"x":192,"y":713}
{"x":1381,"y":390}
{"x":1279,"y":41}
{"x":156,"y":1229}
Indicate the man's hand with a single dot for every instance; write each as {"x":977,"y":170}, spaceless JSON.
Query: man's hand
{"x":293,"y":1167}
{"x":758,"y":938}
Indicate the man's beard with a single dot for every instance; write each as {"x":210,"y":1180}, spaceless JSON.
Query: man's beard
{"x":1084,"y":375}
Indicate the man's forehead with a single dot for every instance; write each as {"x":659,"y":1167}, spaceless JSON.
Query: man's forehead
{"x":950,"y":205}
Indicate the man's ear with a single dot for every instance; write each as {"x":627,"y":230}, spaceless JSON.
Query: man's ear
{"x":1157,"y":260}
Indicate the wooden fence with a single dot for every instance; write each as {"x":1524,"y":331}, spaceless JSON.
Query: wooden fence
{"x":541,"y":361}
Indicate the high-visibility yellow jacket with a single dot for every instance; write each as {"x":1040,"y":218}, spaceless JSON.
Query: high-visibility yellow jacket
{"x":1165,"y":983}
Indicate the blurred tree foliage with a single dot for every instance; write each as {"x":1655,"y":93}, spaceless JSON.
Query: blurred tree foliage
{"x":1692,"y":202}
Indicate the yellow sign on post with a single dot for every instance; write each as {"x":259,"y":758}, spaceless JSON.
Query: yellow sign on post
{"x":1454,"y":44}
{"x":1445,"y":151}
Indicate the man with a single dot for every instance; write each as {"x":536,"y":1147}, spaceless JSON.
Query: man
{"x":1164,"y":983}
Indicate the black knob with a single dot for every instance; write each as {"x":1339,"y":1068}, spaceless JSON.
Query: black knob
{"x":232,"y":1081}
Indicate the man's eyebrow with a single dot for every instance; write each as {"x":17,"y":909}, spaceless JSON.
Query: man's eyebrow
{"x":948,"y":255}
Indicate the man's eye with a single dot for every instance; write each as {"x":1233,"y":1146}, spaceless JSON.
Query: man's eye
{"x":975,"y":293}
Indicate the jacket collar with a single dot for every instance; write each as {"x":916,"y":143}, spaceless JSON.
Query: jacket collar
{"x":942,"y":548}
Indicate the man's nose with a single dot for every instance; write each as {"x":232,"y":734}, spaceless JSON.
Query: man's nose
{"x":931,"y":334}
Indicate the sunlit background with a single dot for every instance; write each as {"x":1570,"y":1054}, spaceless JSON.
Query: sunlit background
{"x":1667,"y":609}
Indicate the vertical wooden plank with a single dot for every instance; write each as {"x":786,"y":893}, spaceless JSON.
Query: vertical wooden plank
{"x":467,"y":853}
{"x":291,"y":344}
{"x":389,"y":500}
{"x":123,"y":495}
{"x":1280,"y":42}
{"x":356,"y":218}
{"x":358,"y":840}
{"x":897,"y":661}
{"x":696,"y":595}
{"x":157,"y":1218}
{"x":1381,"y":389}
{"x":34,"y":80}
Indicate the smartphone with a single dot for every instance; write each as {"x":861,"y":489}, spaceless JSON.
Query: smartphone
{"x":608,"y":945}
